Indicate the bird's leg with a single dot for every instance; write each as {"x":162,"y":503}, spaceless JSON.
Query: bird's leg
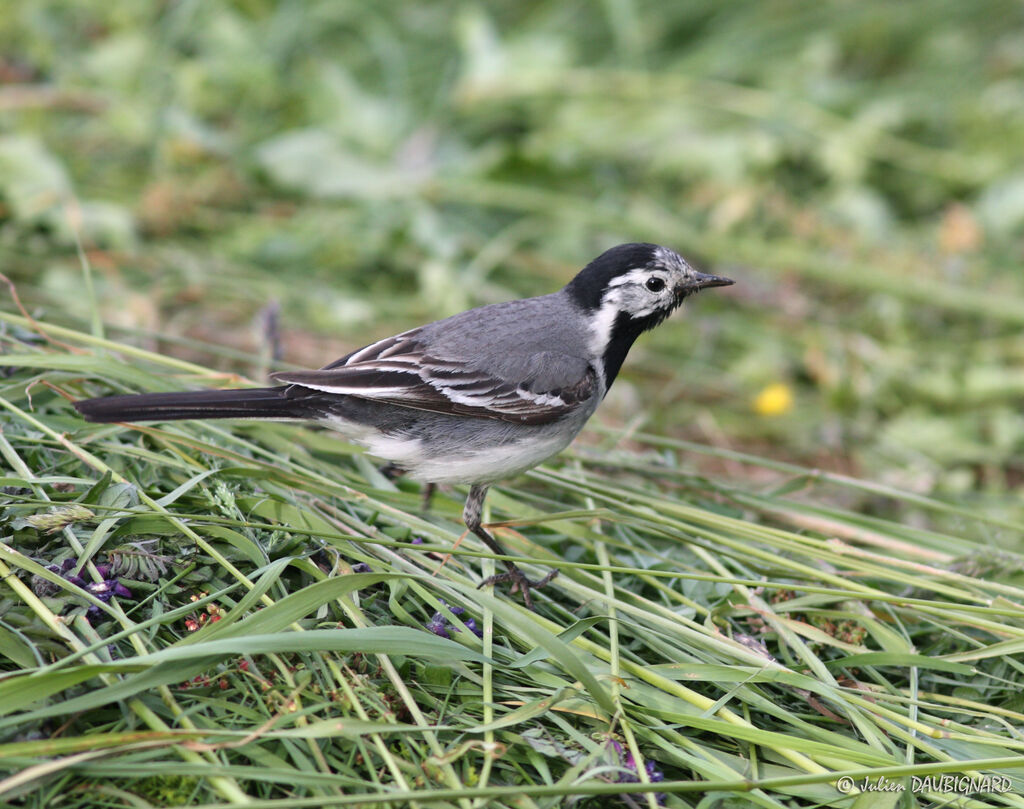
{"x":471,"y":515}
{"x":428,"y":496}
{"x":393,"y":472}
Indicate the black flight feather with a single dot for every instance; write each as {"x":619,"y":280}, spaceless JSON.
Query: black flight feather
{"x":247,"y":403}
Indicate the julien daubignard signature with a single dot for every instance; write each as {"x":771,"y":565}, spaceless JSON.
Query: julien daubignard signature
{"x":944,"y":784}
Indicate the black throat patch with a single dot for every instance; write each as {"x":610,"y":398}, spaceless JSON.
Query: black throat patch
{"x":625,"y":330}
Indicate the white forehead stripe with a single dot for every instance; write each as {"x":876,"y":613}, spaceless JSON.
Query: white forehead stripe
{"x":629,"y":277}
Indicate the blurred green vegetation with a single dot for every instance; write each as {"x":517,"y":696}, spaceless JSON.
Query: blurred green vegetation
{"x":855,"y":166}
{"x":800,"y":505}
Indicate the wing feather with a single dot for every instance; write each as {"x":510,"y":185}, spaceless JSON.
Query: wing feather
{"x":399,"y":370}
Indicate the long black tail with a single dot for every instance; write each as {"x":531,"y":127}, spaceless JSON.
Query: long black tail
{"x":251,"y":403}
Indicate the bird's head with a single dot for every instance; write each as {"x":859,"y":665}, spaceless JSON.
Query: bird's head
{"x":632,"y":288}
{"x":643,"y":282}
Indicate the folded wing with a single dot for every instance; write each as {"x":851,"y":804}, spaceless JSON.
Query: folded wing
{"x":533,"y":388}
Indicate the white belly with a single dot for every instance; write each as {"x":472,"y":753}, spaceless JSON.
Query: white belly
{"x":485,"y":465}
{"x":437,"y":448}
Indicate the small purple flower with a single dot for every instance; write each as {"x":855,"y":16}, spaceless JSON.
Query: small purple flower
{"x":104,"y":590}
{"x":362,"y":567}
{"x":417,"y":540}
{"x":630,"y":775}
{"x":438,"y":624}
{"x":64,"y":568}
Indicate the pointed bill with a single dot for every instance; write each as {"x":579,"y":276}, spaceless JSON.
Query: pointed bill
{"x":703,"y":280}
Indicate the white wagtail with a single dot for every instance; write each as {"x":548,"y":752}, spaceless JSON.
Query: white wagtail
{"x":475,"y":398}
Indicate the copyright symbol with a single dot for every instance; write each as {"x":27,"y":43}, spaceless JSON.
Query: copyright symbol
{"x":845,"y":784}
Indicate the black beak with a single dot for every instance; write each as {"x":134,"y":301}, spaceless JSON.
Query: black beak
{"x":701,"y":280}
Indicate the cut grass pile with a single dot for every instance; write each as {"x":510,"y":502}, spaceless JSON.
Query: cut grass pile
{"x":720,"y":638}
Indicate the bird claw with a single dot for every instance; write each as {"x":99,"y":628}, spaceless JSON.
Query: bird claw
{"x":520,"y":582}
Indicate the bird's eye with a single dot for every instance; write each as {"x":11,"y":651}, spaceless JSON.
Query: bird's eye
{"x":655,"y":284}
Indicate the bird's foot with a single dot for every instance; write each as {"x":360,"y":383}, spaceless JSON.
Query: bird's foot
{"x":520,"y":582}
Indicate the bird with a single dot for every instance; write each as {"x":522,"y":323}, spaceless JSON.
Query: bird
{"x":475,"y":398}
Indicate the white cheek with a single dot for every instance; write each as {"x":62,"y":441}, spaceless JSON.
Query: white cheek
{"x":640,"y":302}
{"x":665,"y":300}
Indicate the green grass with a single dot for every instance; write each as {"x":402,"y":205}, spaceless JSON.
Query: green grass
{"x":757,"y":599}
{"x":690,"y":623}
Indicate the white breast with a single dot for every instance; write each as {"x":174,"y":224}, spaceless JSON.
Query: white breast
{"x":474,"y":451}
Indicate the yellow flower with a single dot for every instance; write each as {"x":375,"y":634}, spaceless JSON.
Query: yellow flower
{"x":774,"y":400}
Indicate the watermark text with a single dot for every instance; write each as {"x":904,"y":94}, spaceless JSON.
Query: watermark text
{"x":943,"y":784}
